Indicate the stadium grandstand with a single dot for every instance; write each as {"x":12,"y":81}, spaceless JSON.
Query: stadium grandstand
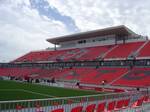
{"x":105,"y":70}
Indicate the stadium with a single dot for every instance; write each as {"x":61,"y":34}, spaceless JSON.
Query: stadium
{"x":104,"y":70}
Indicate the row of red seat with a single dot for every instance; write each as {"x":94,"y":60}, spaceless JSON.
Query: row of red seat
{"x":109,"y":106}
{"x":84,"y":75}
{"x":122,"y":51}
{"x":90,"y":53}
{"x":115,"y":76}
{"x":137,"y":77}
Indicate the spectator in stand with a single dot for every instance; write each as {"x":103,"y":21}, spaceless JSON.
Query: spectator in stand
{"x":104,"y":82}
{"x":53,"y":80}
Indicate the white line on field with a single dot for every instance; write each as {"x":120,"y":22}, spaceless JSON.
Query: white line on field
{"x":28,"y":91}
{"x":9,"y":89}
{"x":32,"y":92}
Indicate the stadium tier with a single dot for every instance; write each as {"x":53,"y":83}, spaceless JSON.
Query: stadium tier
{"x":90,"y":53}
{"x":120,"y":51}
{"x":115,"y":43}
{"x":115,"y":76}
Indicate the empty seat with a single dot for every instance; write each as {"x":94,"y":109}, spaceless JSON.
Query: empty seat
{"x":111,"y":106}
{"x":19,"y":107}
{"x":101,"y":107}
{"x":90,"y":108}
{"x":126,"y":103}
{"x":146,"y":99}
{"x":138,"y":103}
{"x":119,"y":104}
{"x":77,"y":109}
{"x":58,"y":110}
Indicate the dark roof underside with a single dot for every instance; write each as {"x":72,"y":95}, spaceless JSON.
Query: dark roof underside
{"x":117,"y":30}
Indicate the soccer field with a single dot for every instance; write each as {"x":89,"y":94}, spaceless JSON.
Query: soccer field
{"x":10,"y":90}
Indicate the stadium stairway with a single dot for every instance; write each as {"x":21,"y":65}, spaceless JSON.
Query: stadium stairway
{"x":138,"y":77}
{"x":96,"y":52}
{"x":102,"y":57}
{"x":119,"y":77}
{"x":105,"y":74}
{"x":122,"y":51}
{"x":136,"y":53}
{"x":93,"y":75}
{"x":144,"y":52}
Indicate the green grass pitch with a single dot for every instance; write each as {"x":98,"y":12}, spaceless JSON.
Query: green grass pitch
{"x":10,"y":90}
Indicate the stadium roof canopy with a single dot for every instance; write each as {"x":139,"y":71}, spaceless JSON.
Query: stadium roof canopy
{"x":119,"y":31}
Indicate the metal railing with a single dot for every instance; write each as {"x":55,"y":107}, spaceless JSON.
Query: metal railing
{"x":46,"y":105}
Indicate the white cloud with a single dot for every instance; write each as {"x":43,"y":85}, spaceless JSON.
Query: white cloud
{"x":23,"y":29}
{"x":89,"y":14}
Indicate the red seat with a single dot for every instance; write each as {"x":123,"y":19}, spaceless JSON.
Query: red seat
{"x":90,"y":108}
{"x":120,"y":104}
{"x":111,"y":106}
{"x":101,"y":107}
{"x":146,"y":99}
{"x":19,"y":107}
{"x":138,"y":103}
{"x":77,"y":109}
{"x":58,"y":110}
{"x":126,"y":103}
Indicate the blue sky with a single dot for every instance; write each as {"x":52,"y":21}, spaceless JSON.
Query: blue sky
{"x":44,"y":9}
{"x":26,"y":24}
